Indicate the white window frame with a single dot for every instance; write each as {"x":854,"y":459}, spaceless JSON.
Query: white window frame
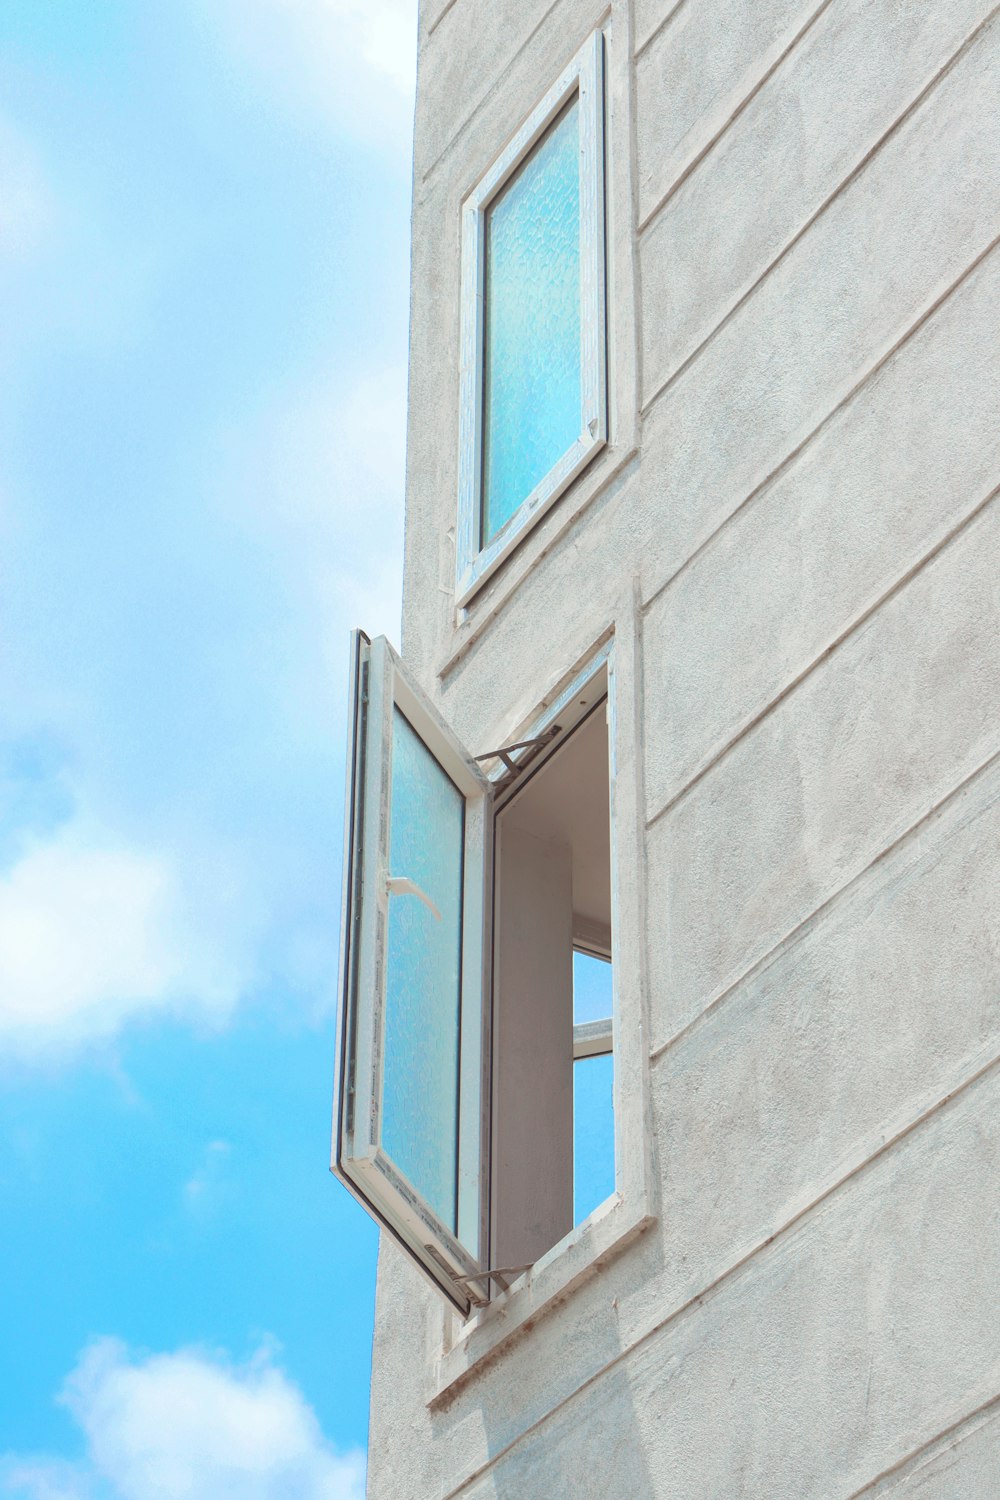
{"x":593,"y":1039}
{"x":379,"y":683}
{"x":493,"y":1303}
{"x":475,"y":563}
{"x":456,"y":1350}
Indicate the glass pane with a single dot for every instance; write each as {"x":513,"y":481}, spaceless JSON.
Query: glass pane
{"x":591,"y":988}
{"x":423,"y":974}
{"x":531,"y":377}
{"x":593,"y":1133}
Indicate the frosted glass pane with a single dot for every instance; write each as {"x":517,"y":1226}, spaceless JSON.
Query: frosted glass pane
{"x":531,"y":377}
{"x":593,"y":1133}
{"x":592,"y":999}
{"x":423,"y":974}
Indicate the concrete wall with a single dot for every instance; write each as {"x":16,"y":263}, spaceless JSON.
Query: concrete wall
{"x":801,"y":496}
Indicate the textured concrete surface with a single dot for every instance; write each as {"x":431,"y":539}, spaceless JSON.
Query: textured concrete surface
{"x":695,"y":71}
{"x":861,"y":64}
{"x":963,"y":1461}
{"x":794,"y":536}
{"x":886,"y":481}
{"x":826,"y":1357}
{"x":872,"y":740}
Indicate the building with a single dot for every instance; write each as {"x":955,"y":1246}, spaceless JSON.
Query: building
{"x":704,"y":392}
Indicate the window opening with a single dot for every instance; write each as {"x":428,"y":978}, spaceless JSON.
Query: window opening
{"x":553,"y":1119}
{"x":593,"y":1084}
{"x":515,"y":764}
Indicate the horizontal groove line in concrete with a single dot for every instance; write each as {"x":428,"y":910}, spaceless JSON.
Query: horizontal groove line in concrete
{"x":820,"y":657}
{"x":497,"y":85}
{"x":446,"y":7}
{"x":975,"y":1418}
{"x":706,"y":149}
{"x":938,"y":300}
{"x":657,"y":30}
{"x":697,"y":1299}
{"x":621,"y":471}
{"x":813,"y":917}
{"x":925,"y":92}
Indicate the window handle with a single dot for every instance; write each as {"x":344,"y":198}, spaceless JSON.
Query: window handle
{"x":402,"y":885}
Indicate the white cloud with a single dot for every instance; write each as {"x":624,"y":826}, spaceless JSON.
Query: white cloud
{"x":188,"y":1426}
{"x":201,"y":1188}
{"x":92,"y":933}
{"x":385,"y":32}
{"x":95,"y":931}
{"x":321,"y":481}
{"x":361,"y":446}
{"x":27,"y":207}
{"x":350,"y":62}
{"x":44,"y":1479}
{"x":332,"y":456}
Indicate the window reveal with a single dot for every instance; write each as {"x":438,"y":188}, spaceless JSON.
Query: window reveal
{"x":552,"y":911}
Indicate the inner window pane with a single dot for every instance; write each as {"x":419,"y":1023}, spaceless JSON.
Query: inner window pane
{"x":593,"y":1133}
{"x":591,"y":988}
{"x":423,"y":974}
{"x":593,"y":1090}
{"x":532,"y":375}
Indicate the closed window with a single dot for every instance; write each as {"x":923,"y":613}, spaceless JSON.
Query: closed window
{"x":533,"y":321}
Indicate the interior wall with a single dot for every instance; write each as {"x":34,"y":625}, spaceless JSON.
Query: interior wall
{"x":532,"y":1197}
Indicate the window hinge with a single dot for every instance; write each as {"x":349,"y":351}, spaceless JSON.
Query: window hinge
{"x":512,"y":767}
{"x":468,"y":1285}
{"x":499,"y":1274}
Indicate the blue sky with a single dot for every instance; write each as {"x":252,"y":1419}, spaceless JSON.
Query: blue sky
{"x":203,"y":290}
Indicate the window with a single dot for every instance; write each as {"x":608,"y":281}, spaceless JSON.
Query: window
{"x":552,"y":911}
{"x":593,"y":1084}
{"x":475,"y":1039}
{"x":533,"y":384}
{"x":411,"y":1125}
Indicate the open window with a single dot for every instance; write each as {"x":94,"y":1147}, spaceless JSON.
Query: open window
{"x":473,"y":1114}
{"x":533,"y":362}
{"x":553,"y":1119}
{"x":411,"y":1127}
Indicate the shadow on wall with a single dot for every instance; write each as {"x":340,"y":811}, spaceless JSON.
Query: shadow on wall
{"x":559,"y":1410}
{"x":591,"y":1450}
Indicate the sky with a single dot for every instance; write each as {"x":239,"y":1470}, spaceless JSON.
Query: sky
{"x":204,"y":213}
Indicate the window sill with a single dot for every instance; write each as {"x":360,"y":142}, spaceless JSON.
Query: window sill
{"x":480,"y":568}
{"x":533,"y":547}
{"x":467,"y":1347}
